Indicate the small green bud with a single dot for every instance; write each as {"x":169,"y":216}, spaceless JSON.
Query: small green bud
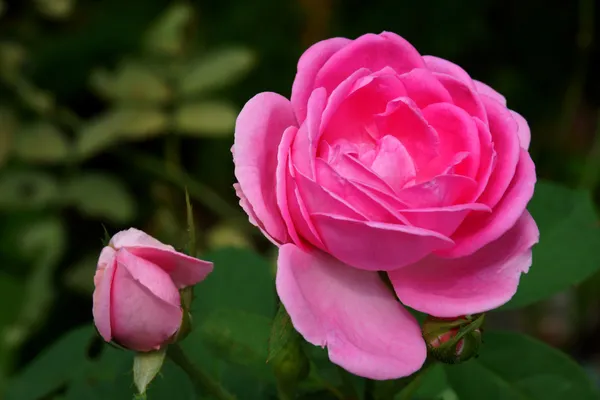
{"x":453,"y":341}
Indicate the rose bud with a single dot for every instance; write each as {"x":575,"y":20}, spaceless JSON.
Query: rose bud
{"x":137,"y":302}
{"x":453,"y":341}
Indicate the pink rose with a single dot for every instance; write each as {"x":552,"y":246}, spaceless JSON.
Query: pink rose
{"x":386,"y":160}
{"x":136,"y":300}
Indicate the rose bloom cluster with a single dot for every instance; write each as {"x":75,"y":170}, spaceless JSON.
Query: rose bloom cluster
{"x":385,"y":160}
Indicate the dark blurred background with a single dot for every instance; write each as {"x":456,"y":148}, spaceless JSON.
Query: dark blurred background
{"x":109,"y":109}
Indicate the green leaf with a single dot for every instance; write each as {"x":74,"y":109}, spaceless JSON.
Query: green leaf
{"x":27,"y":189}
{"x":238,"y":337}
{"x":53,"y":368}
{"x":55,"y":9}
{"x":216,"y":70}
{"x":117,"y":125}
{"x":79,"y":277}
{"x":41,"y":142}
{"x":207,"y":118}
{"x":567,"y":253}
{"x":146,"y":366}
{"x":432,"y":384}
{"x":9,"y":124}
{"x":132,"y":82}
{"x":100,"y":196}
{"x":282,"y":332}
{"x":166,"y":36}
{"x":512,"y":366}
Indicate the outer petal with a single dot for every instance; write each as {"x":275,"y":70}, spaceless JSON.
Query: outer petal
{"x":140,"y":320}
{"x":436,"y":64}
{"x":351,"y":312}
{"x":463,"y":96}
{"x":424,"y":88}
{"x":135,"y":237}
{"x":309,"y":65}
{"x":480,"y":229}
{"x":250,"y":212}
{"x":523,"y":130}
{"x":443,"y":220}
{"x":283,"y":153}
{"x":103,"y":280}
{"x":370,"y":51}
{"x":486,"y":90}
{"x":376,"y":246}
{"x":476,"y":283}
{"x":258,"y":131}
{"x":183,"y":269}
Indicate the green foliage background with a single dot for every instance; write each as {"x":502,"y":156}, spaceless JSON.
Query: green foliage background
{"x":110,"y":109}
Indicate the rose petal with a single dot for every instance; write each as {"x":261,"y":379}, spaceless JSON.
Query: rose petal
{"x":376,"y":246}
{"x":457,"y":133}
{"x":374,"y":52}
{"x":503,"y":128}
{"x":487,"y":160}
{"x":251,"y":214}
{"x":350,"y":168}
{"x":404,"y":120}
{"x":183,"y":269}
{"x":365,"y":329}
{"x":305,"y":145}
{"x":473,"y":284}
{"x":480,"y":229}
{"x":103,"y":280}
{"x":424,"y":88}
{"x":436,"y":64}
{"x":463,"y":96}
{"x":441,"y":191}
{"x":259,"y":129}
{"x":140,"y":320}
{"x":135,"y":237}
{"x":392,"y":163}
{"x":309,"y":65}
{"x":444,"y":220}
{"x":523,"y":130}
{"x":280,"y":188}
{"x":486,"y":90}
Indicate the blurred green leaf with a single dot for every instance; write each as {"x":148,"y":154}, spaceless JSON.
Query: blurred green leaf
{"x":53,"y":368}
{"x":132,"y":82}
{"x":216,"y":70}
{"x":100,"y":196}
{"x":146,"y":366}
{"x":431,"y":384}
{"x":56,"y":9}
{"x":238,"y":337}
{"x":282,"y":332}
{"x":513,"y":366}
{"x":206,"y":118}
{"x":27,"y":189}
{"x":13,"y":55}
{"x":41,"y":142}
{"x":166,"y":36}
{"x":226,"y":235}
{"x":569,"y":241}
{"x":79,"y":277}
{"x":8,"y":127}
{"x":117,"y":125}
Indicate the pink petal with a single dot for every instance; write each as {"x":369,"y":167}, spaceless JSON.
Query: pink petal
{"x":351,"y":195}
{"x":442,"y":191}
{"x":250,"y":212}
{"x":107,"y":256}
{"x":259,"y":129}
{"x":443,"y":220}
{"x":135,"y":237}
{"x":183,"y":269}
{"x":506,"y":144}
{"x":352,"y":169}
{"x":376,"y":246}
{"x":486,"y":90}
{"x":476,"y":283}
{"x":309,"y":65}
{"x":374,"y":52}
{"x":352,"y":312}
{"x":424,"y":88}
{"x":523,"y":130}
{"x":305,"y":144}
{"x":457,"y":133}
{"x":463,"y":96}
{"x":141,"y":320}
{"x":439,"y":65}
{"x":480,"y":229}
{"x":280,"y":188}
{"x":152,"y":276}
{"x":404,"y":120}
{"x":103,"y":281}
{"x":487,"y":160}
{"x":393,"y":163}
